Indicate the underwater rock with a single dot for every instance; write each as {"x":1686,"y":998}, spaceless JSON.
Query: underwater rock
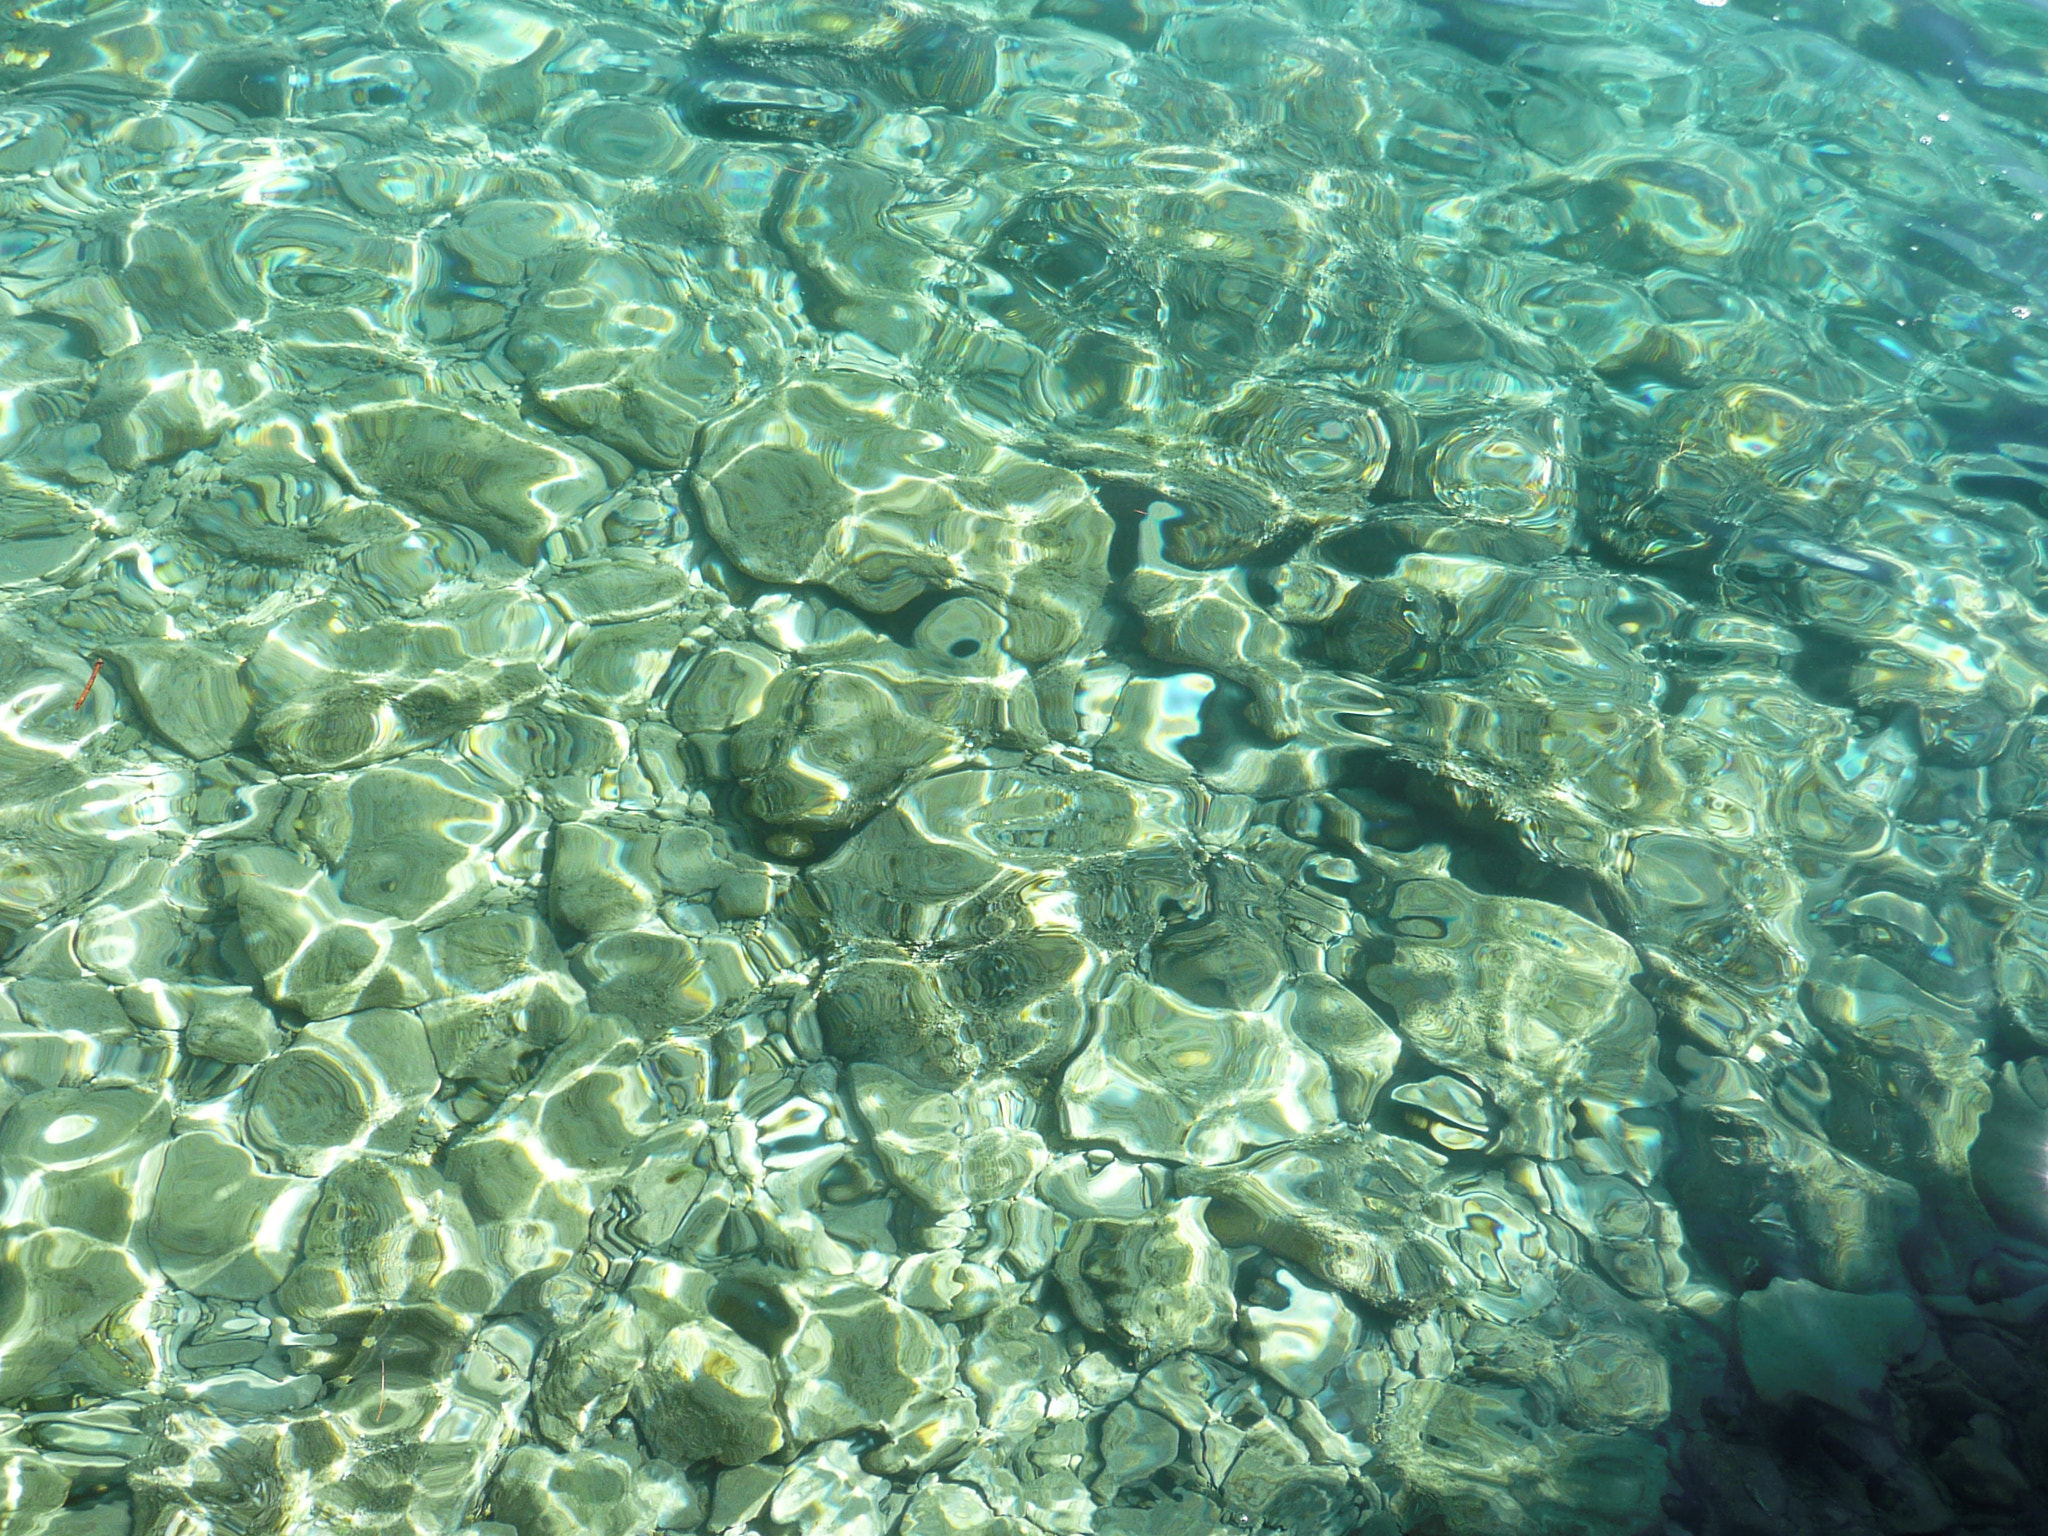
{"x":722,"y":687}
{"x":1096,"y":1183}
{"x":661,"y":981}
{"x":418,"y":1372}
{"x":454,"y":467}
{"x":985,"y":759}
{"x":952,"y":1509}
{"x":787,"y":511}
{"x":615,"y":668}
{"x":348,"y":724}
{"x":218,"y":1226}
{"x":1583,"y":1349}
{"x":1915,"y":1081}
{"x":1776,"y":1197}
{"x":35,"y":1492}
{"x":531,"y":1214}
{"x":1450,"y":1111}
{"x":1220,"y":963}
{"x":42,"y":531}
{"x":1700,"y":907}
{"x":592,"y":1364}
{"x":1353,"y":1208}
{"x":1803,"y":1340}
{"x":624,"y":585}
{"x":588,"y":1371}
{"x":227,"y":1024}
{"x":60,"y":1290}
{"x":1300,"y":1343}
{"x":420,"y":835}
{"x":944,"y":1284}
{"x":610,"y":877}
{"x":534,"y":1172}
{"x":1209,"y":620}
{"x":2022,"y":973}
{"x":1635,"y":1236}
{"x":770,"y":111}
{"x":830,"y":746}
{"x":316,"y":953}
{"x":569,"y":757}
{"x":54,"y":1034}
{"x":1323,"y":449}
{"x":258,"y":1460}
{"x":857,"y":1359}
{"x":742,"y":1493}
{"x":71,"y":1156}
{"x":190,"y":694}
{"x":636,"y":357}
{"x":1508,"y":471}
{"x":1163,"y":1078}
{"x":1237,"y":952}
{"x":1608,"y":1382}
{"x":466,"y":643}
{"x":508,"y":996}
{"x":1529,"y":1000}
{"x":1273,"y":1481}
{"x":1460,"y":1449}
{"x":826,"y":1487}
{"x":594,"y":1116}
{"x":1008,"y":1362}
{"x":950,"y":1151}
{"x":707,"y":1392}
{"x":606,"y":1492}
{"x":343,"y":1085}
{"x":947,"y":862}
{"x":384,"y":1234}
{"x":624,"y":138}
{"x":1160,"y":1284}
{"x":156,"y":401}
{"x":1012,"y":1005}
{"x":2012,"y":1147}
{"x":935,"y":1433}
{"x":1135,"y":1444}
{"x":866,"y":273}
{"x":603,"y":877}
{"x":701,"y":864}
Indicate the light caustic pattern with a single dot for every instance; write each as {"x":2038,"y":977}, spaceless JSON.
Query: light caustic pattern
{"x":1139,"y":767}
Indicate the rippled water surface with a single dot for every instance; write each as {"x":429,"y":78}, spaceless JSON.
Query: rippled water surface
{"x":1025,"y":768}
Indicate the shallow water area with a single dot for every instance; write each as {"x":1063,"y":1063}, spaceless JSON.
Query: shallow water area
{"x":1140,"y":767}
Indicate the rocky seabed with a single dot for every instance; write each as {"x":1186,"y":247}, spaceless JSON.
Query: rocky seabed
{"x":1121,"y":766}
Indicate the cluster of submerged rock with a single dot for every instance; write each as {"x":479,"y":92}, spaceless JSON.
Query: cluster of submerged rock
{"x":901,"y":769}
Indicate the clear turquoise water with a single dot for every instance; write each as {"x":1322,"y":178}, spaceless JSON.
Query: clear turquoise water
{"x":1120,"y":766}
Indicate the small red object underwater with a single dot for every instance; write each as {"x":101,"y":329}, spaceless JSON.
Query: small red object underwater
{"x":97,"y":664}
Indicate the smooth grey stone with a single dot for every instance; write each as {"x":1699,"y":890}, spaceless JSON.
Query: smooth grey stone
{"x":707,"y":1392}
{"x":42,"y":531}
{"x":1802,"y":1340}
{"x":229,"y":1026}
{"x":458,"y":468}
{"x":191,"y":695}
{"x":220,"y":1227}
{"x":316,"y":953}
